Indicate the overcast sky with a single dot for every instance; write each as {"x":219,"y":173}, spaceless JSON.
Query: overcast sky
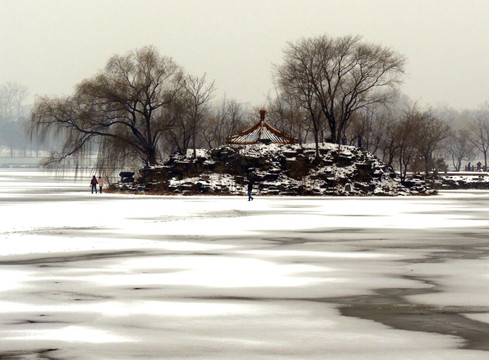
{"x":51,"y":45}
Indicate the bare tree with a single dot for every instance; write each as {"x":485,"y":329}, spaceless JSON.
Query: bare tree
{"x":479,"y":131}
{"x":12,"y":116}
{"x":390,"y":144}
{"x":285,"y":113}
{"x":294,"y":81}
{"x":198,"y":95}
{"x":460,"y":147}
{"x":338,"y":77}
{"x":226,"y":119}
{"x":12,"y":97}
{"x":179,"y":135}
{"x":431,"y":134}
{"x":370,"y":126}
{"x":125,"y":110}
{"x":406,"y":133}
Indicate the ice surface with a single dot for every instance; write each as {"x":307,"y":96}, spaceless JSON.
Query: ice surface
{"x":124,"y":276}
{"x":481,"y":317}
{"x":464,"y":282}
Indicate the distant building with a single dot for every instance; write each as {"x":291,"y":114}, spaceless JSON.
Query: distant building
{"x":262,"y":132}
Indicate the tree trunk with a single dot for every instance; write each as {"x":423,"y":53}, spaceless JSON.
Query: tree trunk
{"x":332,"y":128}
{"x":316,"y":140}
{"x":315,"y":124}
{"x":151,"y":157}
{"x":194,"y":135}
{"x":427,"y":165}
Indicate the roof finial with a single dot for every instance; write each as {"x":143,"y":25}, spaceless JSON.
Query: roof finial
{"x":262,"y":114}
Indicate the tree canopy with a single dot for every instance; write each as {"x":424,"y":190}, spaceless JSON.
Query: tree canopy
{"x":332,"y":78}
{"x":124,"y":110}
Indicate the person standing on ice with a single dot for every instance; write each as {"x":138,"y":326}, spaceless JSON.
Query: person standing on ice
{"x":250,"y":189}
{"x":93,"y":184}
{"x":100,"y":183}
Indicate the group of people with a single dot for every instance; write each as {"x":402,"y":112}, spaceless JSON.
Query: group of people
{"x":477,"y":167}
{"x":94,"y":182}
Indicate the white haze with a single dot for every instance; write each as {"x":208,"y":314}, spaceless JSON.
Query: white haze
{"x":51,"y":45}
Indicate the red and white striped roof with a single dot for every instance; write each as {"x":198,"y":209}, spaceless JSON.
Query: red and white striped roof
{"x":261,"y":132}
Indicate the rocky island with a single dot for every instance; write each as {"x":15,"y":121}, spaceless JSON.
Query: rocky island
{"x":275,"y":169}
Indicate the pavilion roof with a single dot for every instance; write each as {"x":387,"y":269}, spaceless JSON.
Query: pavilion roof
{"x":261,"y":132}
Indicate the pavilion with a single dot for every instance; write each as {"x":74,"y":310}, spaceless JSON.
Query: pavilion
{"x":261,"y":132}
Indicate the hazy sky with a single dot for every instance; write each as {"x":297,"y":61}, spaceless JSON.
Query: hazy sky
{"x":51,"y":45}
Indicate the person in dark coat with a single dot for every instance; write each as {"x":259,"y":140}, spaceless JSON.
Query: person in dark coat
{"x":93,"y":184}
{"x":250,"y":189}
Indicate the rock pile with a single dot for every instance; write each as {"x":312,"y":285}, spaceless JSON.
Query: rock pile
{"x":275,"y":170}
{"x":455,"y":182}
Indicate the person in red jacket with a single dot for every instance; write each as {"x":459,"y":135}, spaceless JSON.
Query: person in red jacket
{"x":93,"y":184}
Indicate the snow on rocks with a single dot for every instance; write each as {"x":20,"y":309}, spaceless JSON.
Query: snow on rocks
{"x":275,"y":170}
{"x":473,"y":181}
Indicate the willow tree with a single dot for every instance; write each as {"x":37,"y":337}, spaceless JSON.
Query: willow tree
{"x":123,"y":111}
{"x":333,"y":78}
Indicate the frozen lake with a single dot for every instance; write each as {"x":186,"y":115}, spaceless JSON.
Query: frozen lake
{"x":141,"y":277}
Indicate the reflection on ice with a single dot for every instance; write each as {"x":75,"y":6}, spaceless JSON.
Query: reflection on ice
{"x":184,"y":308}
{"x":68,"y":333}
{"x":212,"y":271}
{"x":173,"y":308}
{"x":13,"y":279}
{"x":55,"y":239}
{"x":322,"y":254}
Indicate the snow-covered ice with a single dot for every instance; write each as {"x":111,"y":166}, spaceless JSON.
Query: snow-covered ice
{"x":117,"y":276}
